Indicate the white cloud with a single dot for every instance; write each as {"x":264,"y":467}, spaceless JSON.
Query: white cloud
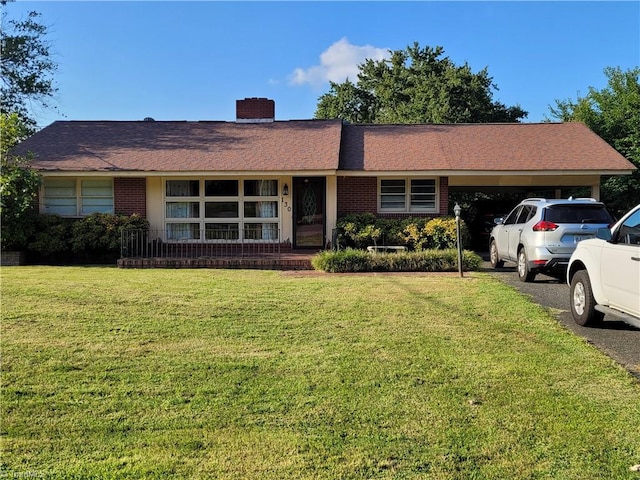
{"x":338,"y":62}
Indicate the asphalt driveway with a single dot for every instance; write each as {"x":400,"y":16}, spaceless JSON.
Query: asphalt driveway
{"x":615,"y":338}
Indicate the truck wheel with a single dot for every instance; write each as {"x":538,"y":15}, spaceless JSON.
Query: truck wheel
{"x":494,"y":258}
{"x":524,"y":273}
{"x":583,"y":305}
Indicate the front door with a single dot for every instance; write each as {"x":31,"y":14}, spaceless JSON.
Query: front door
{"x":309,"y":212}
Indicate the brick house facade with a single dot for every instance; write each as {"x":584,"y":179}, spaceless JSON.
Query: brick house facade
{"x":262,"y":180}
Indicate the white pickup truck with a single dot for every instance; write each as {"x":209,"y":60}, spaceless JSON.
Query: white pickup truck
{"x":604,"y":274}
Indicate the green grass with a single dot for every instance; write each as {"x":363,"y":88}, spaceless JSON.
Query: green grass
{"x":110,"y":373}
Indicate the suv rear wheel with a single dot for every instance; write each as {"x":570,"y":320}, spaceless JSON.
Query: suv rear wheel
{"x":582,"y":302}
{"x":524,"y":273}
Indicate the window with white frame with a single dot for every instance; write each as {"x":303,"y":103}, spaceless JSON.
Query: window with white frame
{"x":407,"y":195}
{"x":77,"y":197}
{"x":222,"y":209}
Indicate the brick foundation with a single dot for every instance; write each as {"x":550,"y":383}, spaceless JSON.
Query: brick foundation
{"x":291,"y":262}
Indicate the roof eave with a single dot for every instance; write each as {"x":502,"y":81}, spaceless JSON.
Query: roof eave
{"x":453,"y":173}
{"x":147,"y":173}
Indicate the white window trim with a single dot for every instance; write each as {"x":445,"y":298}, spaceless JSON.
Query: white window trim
{"x":78,"y":196}
{"x":407,"y":194}
{"x":202,"y":199}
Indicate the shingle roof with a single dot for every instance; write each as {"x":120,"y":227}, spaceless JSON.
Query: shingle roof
{"x":186,"y":146}
{"x":319,"y":145}
{"x":478,"y":147}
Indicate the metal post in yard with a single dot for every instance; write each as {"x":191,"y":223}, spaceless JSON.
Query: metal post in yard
{"x":456,"y":211}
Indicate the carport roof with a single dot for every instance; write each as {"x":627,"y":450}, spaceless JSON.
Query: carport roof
{"x":513,"y":147}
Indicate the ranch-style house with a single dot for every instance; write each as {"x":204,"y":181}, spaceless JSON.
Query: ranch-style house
{"x":259,"y":180}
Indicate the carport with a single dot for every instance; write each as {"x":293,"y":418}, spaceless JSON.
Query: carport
{"x":486,"y":196}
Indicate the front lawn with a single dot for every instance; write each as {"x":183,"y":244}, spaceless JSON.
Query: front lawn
{"x":110,"y":373}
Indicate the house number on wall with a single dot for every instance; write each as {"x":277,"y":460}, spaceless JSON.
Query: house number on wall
{"x":287,"y":206}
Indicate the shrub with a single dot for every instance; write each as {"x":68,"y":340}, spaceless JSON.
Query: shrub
{"x":357,"y":230}
{"x":348,"y":260}
{"x":101,"y":232}
{"x":438,"y":233}
{"x":362,"y":230}
{"x":353,"y":260}
{"x":52,"y":235}
{"x":95,"y":238}
{"x":414,"y":236}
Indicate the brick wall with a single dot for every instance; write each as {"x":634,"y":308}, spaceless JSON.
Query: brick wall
{"x":360,"y":195}
{"x":357,"y":195}
{"x":444,"y":195}
{"x":130,"y":196}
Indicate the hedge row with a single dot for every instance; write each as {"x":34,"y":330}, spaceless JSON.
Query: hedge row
{"x":59,"y":240}
{"x":353,"y":260}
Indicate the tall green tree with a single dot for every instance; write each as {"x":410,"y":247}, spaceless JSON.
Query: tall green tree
{"x":26,"y":67}
{"x":19,"y":184}
{"x":416,"y":85}
{"x":614,"y":114}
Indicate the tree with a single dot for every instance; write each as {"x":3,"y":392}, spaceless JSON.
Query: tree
{"x":26,"y":74}
{"x":19,"y":184}
{"x":614,"y":114}
{"x":26,"y":68}
{"x":347,"y":102}
{"x":416,"y":85}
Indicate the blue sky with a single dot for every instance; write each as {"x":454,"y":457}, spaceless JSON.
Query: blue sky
{"x":191,"y":60}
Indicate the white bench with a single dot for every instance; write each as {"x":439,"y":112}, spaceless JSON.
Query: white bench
{"x":385,"y":248}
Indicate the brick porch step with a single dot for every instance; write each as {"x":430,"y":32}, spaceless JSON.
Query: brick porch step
{"x":282,"y":262}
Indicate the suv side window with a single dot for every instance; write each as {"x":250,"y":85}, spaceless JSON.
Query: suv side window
{"x":526,"y":213}
{"x":511,"y":219}
{"x":629,"y":233}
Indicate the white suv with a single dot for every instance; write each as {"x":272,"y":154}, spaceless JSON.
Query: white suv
{"x":540,"y":234}
{"x":604,"y":274}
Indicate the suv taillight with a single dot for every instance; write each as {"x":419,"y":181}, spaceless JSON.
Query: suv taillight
{"x":544,"y":226}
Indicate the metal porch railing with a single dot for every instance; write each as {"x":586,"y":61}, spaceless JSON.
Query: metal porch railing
{"x":208,"y":243}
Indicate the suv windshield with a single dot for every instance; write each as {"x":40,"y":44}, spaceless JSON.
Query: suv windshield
{"x":578,"y":214}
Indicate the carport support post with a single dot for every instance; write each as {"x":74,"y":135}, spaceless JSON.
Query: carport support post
{"x":456,"y":211}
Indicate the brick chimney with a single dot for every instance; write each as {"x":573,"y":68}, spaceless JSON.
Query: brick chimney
{"x":255,"y":110}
